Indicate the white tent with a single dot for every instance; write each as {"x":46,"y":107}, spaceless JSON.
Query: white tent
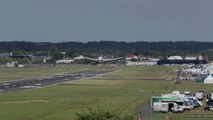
{"x":209,"y":79}
{"x":81,"y":57}
{"x":175,"y":58}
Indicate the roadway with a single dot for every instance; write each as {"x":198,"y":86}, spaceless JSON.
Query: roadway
{"x":25,"y":84}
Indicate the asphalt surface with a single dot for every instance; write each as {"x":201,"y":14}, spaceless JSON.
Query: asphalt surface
{"x":17,"y":85}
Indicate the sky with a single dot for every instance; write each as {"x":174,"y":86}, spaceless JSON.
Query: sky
{"x":114,"y":20}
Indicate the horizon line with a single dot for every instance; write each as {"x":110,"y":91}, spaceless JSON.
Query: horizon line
{"x":106,"y":41}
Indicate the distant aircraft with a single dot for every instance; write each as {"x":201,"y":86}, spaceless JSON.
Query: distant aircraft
{"x":100,"y":59}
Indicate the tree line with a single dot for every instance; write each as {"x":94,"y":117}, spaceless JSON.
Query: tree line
{"x":108,"y":45}
{"x":113,"y":48}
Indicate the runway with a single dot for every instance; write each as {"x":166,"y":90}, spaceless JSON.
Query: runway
{"x":33,"y":83}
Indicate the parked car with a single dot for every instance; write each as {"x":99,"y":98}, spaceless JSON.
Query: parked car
{"x":209,"y":96}
{"x":200,"y":95}
{"x":194,"y":100}
{"x":209,"y":105}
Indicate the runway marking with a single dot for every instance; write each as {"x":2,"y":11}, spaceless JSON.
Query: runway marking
{"x":30,"y":86}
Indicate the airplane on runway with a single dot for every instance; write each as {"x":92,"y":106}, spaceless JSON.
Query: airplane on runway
{"x":101,"y":59}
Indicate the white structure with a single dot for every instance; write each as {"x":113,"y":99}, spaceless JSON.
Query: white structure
{"x":12,"y":64}
{"x":210,"y":68}
{"x":209,"y":79}
{"x":175,"y":58}
{"x":190,"y":58}
{"x":200,"y":57}
{"x":81,"y":57}
{"x":64,"y":61}
{"x":145,"y":63}
{"x":193,"y":57}
{"x":20,"y":66}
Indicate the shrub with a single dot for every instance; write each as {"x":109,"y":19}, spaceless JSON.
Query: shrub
{"x":100,"y":114}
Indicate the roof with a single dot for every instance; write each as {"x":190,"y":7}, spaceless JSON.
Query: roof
{"x":192,"y":55}
{"x":79,"y":57}
{"x":175,"y":58}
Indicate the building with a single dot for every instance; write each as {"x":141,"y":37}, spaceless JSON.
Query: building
{"x":172,"y":62}
{"x":65,"y":61}
{"x":188,"y":59}
{"x":130,"y":57}
{"x":175,"y":58}
{"x":193,"y":57}
{"x":5,"y":55}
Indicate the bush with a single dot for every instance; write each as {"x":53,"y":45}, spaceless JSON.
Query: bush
{"x":100,"y":114}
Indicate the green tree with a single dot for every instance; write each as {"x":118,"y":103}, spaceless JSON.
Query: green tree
{"x":54,"y":53}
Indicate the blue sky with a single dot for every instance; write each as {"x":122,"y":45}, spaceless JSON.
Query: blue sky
{"x":115,"y":20}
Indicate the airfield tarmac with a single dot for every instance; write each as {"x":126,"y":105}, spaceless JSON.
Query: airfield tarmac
{"x":17,"y":85}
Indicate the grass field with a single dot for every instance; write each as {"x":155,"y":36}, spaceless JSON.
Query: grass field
{"x":121,"y":94}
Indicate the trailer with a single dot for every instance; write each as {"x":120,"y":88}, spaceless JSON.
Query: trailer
{"x":159,"y":99}
{"x":182,"y":104}
{"x":167,"y":107}
{"x":161,"y":107}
